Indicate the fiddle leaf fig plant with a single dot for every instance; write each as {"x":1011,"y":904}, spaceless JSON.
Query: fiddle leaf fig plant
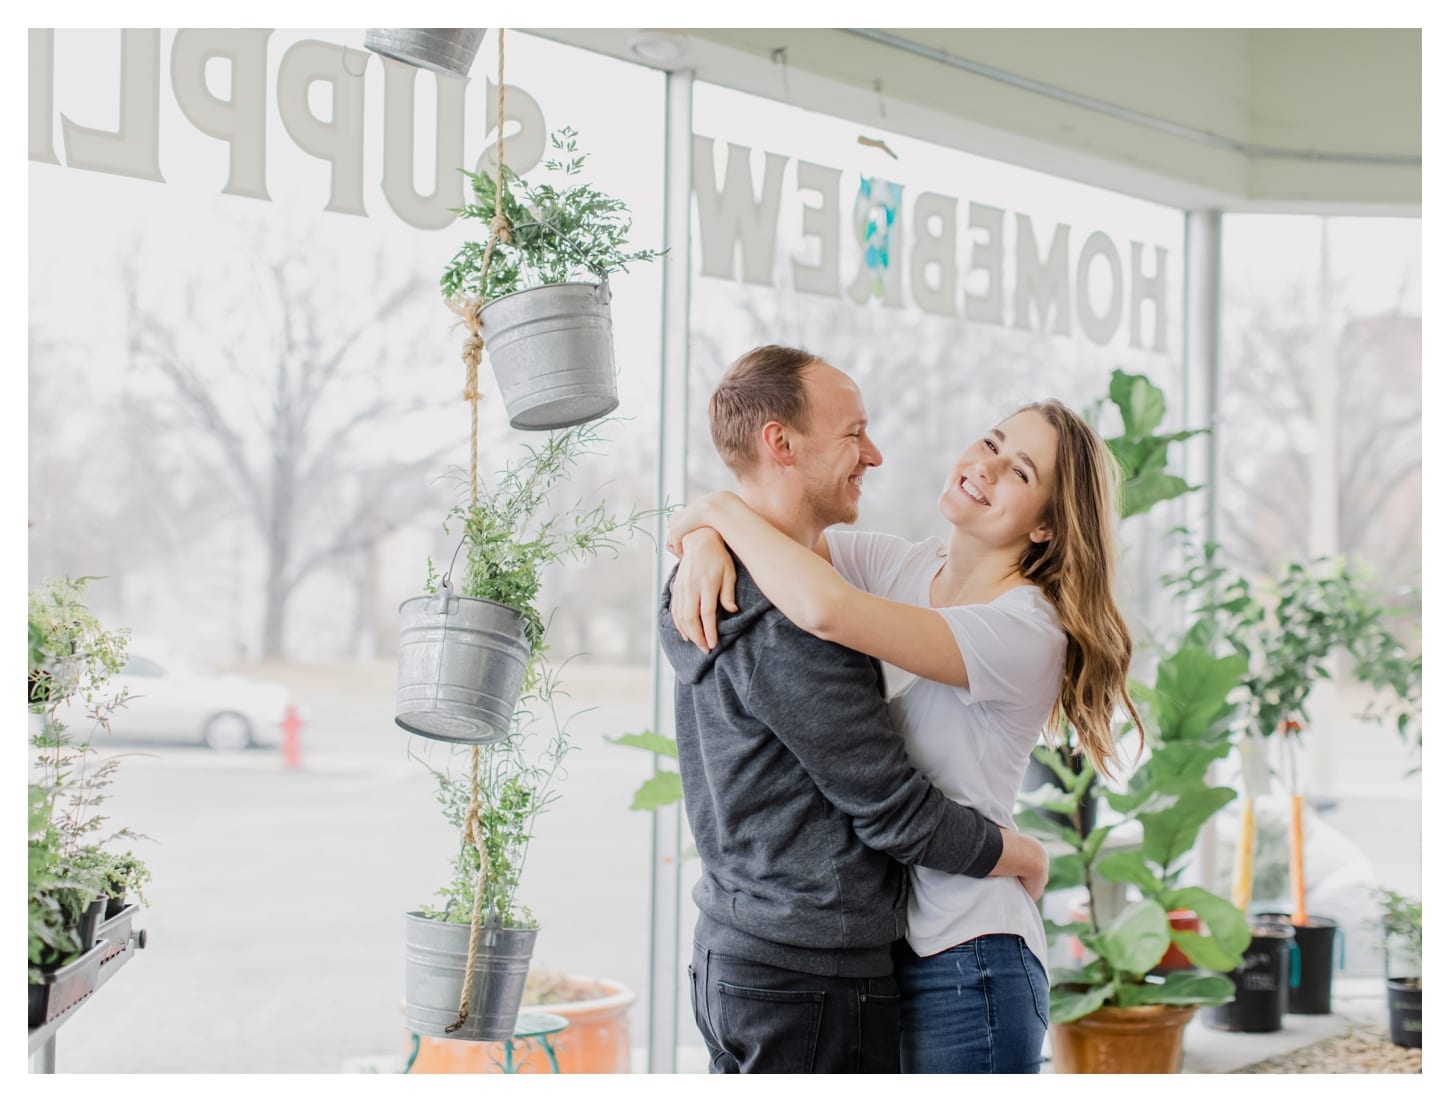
{"x":1140,"y":449}
{"x":1189,"y":719}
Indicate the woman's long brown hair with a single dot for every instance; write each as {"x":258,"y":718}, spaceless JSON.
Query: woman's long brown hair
{"x":1075,"y":570}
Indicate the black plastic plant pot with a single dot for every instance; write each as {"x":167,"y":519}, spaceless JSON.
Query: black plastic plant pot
{"x":1404,"y":996}
{"x":1039,"y":774}
{"x":115,"y":904}
{"x":1317,"y":942}
{"x":66,"y":986}
{"x":88,"y":928}
{"x":1261,"y":983}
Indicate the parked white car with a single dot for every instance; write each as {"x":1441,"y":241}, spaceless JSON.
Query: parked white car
{"x":169,"y":697}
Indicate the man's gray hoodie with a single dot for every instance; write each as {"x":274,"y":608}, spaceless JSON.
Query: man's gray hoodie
{"x":800,"y":797}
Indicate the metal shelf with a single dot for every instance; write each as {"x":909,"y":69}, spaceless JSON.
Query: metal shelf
{"x":42,"y":1037}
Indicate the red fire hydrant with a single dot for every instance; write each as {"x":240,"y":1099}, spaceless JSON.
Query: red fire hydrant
{"x":291,"y":737}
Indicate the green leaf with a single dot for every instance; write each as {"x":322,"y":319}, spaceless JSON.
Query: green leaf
{"x":1053,"y":760}
{"x":1169,"y":834}
{"x":1128,"y":867}
{"x":1192,"y":690}
{"x":1140,"y":402}
{"x":1182,"y":988}
{"x":1137,"y":939}
{"x":1055,"y":930}
{"x":661,"y":790}
{"x":1066,"y":1006}
{"x":1093,"y":974}
{"x":1033,"y":822}
{"x":1066,"y":870}
{"x":648,"y":740}
{"x":1222,"y":949}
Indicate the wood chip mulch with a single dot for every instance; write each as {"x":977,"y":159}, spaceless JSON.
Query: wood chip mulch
{"x":1363,"y":1051}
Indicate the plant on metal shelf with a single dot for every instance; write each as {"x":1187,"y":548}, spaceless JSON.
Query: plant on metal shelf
{"x":71,"y":874}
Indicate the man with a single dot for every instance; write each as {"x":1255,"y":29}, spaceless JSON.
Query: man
{"x":798,"y":792}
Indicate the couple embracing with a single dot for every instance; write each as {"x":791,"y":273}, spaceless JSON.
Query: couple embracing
{"x":855,"y":713}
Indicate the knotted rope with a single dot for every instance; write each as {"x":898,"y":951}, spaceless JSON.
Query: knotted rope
{"x":470,"y":309}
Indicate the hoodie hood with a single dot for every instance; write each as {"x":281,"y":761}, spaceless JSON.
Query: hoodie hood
{"x":689,"y":662}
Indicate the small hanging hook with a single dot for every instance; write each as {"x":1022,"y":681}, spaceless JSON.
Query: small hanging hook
{"x":777,"y":55}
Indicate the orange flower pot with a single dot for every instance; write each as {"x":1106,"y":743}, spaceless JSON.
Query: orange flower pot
{"x":596,"y":1041}
{"x":1174,"y":958}
{"x":1138,"y":1040}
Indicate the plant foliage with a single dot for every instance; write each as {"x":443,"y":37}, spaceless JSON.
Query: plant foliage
{"x":72,"y":657}
{"x":510,"y":535}
{"x":555,"y":235}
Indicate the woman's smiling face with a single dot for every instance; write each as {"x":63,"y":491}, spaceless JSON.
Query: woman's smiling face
{"x":1000,"y":486}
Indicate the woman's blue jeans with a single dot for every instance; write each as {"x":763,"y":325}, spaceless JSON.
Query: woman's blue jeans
{"x":978,"y":1007}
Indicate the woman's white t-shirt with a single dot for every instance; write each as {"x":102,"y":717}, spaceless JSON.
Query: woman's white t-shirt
{"x":973,"y":744}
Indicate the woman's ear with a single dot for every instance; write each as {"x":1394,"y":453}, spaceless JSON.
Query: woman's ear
{"x":775,"y":444}
{"x":1041,"y":534}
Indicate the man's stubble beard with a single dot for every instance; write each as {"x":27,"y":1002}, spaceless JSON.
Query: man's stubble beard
{"x":831,"y":508}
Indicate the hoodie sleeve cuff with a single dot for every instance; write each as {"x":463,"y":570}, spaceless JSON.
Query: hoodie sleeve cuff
{"x":989,"y":852}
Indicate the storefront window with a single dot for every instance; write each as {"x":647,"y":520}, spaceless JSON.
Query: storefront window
{"x":246,"y":414}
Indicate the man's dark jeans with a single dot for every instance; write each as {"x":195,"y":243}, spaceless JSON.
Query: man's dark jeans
{"x":759,"y":1018}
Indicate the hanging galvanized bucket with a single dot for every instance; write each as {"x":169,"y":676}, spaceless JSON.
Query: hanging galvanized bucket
{"x":461,"y":664}
{"x":436,"y":965}
{"x":440,"y":50}
{"x":552,"y":351}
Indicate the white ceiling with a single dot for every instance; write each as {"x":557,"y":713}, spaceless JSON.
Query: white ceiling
{"x":1255,"y":119}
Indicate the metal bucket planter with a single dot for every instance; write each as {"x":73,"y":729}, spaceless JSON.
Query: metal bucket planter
{"x":434,"y":969}
{"x":552,"y":351}
{"x":461,"y":664}
{"x":441,"y":50}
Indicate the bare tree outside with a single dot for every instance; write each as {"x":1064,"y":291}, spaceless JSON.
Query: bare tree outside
{"x":1268,"y":426}
{"x":283,"y":409}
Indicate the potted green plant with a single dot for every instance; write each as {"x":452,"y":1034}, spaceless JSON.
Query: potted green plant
{"x":1402,"y":927}
{"x":466,"y":647}
{"x":539,"y":288}
{"x":1113,"y":1014}
{"x":1288,"y":630}
{"x":468,"y":958}
{"x":71,"y":657}
{"x":480,"y":938}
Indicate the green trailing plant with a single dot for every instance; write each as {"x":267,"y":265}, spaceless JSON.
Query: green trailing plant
{"x":509,"y":537}
{"x":517,"y":779}
{"x":1188,"y":717}
{"x":555,"y":234}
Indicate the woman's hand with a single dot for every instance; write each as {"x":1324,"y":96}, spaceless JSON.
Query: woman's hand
{"x":704,"y":583}
{"x":690,"y":518}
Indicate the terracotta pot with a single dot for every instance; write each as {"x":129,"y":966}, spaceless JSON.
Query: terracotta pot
{"x":595,"y":1042}
{"x":1139,"y":1040}
{"x":1174,"y":958}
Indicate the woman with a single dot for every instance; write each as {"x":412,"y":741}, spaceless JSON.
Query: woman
{"x":1009,"y":625}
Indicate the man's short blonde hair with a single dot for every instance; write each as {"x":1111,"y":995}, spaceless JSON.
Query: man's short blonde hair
{"x":766,"y":384}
